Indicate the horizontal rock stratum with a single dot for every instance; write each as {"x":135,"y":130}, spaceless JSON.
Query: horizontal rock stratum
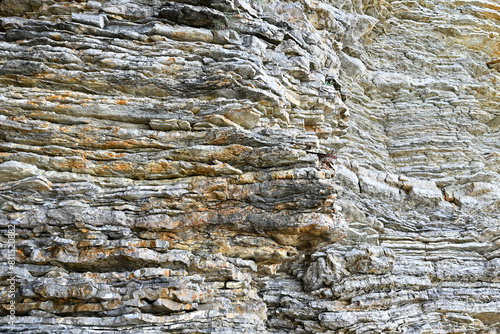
{"x":156,"y":166}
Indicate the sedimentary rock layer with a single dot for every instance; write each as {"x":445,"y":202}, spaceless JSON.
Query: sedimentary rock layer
{"x":155,"y":163}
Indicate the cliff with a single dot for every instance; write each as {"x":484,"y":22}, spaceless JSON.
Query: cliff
{"x":154,"y":165}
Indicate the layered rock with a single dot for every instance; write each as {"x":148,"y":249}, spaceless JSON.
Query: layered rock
{"x":154,"y":161}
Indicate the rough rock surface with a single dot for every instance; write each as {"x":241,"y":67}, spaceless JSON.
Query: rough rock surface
{"x":153,"y":160}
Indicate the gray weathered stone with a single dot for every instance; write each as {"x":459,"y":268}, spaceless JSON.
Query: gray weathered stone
{"x":153,"y":160}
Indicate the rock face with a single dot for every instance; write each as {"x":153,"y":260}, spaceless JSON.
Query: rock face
{"x":153,"y":162}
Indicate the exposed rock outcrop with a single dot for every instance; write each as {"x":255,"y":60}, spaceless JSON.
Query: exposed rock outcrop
{"x":154,"y":160}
